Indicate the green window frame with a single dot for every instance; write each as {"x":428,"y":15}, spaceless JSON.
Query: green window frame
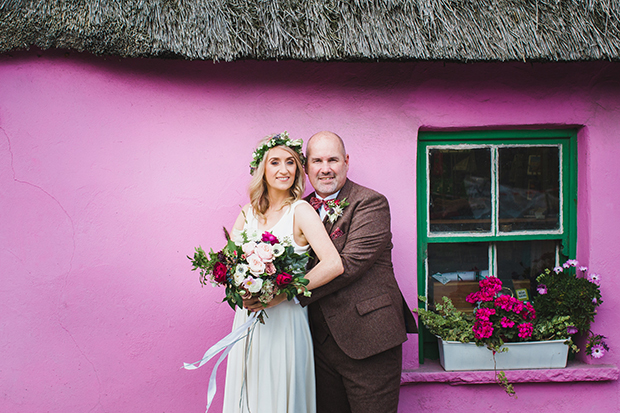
{"x":489,"y":230}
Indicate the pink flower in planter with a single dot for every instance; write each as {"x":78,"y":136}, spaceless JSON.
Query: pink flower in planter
{"x":482,"y":329}
{"x":484,"y":313}
{"x":525,"y":330}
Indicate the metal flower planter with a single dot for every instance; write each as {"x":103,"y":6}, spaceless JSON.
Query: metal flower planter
{"x":457,"y":356}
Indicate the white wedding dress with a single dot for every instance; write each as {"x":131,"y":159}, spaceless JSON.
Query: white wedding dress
{"x":272,"y":370}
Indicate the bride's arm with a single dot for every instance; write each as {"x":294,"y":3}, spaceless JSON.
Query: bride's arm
{"x":240,"y":221}
{"x":308,"y":227}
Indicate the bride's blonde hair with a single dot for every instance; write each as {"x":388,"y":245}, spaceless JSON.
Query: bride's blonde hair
{"x":259,"y":196}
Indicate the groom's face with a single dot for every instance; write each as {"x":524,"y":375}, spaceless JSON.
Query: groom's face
{"x":327,"y":165}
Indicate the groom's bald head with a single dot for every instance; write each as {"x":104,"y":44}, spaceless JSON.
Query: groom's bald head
{"x":325,"y":135}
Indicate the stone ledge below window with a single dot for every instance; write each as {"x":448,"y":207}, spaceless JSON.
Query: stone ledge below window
{"x":432,"y":372}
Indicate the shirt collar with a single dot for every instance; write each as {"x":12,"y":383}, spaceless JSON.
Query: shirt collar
{"x":329,"y":197}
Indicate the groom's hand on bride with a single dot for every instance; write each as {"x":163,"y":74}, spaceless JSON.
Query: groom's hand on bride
{"x":254,"y":305}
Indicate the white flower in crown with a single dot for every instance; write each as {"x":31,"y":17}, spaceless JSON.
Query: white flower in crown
{"x":279,"y":139}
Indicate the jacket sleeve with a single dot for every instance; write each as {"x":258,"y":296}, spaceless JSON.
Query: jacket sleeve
{"x":368,"y":238}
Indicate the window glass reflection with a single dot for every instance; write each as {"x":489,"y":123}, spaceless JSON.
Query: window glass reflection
{"x":529,"y":189}
{"x":520,"y":262}
{"x":454,"y":271}
{"x":460,"y":190}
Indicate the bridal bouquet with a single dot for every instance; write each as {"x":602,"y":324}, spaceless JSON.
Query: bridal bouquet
{"x":253,"y":265}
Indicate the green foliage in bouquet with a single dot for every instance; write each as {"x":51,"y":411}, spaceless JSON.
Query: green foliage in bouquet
{"x":209,"y":264}
{"x":295,"y":264}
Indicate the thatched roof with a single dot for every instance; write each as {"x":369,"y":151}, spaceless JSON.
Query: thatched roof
{"x":465,"y":30}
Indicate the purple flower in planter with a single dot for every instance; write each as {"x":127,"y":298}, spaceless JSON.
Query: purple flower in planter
{"x":583,"y":268}
{"x":542,"y":289}
{"x":571,"y":330}
{"x":558,"y":269}
{"x":572,"y":263}
{"x":594,"y":278}
{"x":598,"y":351}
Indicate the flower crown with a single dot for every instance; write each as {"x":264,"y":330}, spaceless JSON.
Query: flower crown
{"x":280,"y":139}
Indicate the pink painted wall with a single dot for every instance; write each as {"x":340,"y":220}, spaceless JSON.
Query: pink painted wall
{"x":112,"y":170}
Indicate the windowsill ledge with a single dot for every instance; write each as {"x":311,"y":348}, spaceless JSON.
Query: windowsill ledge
{"x":432,"y":372}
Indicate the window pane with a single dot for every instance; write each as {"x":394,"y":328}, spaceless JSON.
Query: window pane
{"x":520,"y":262}
{"x":529,"y":189}
{"x":454,"y":271}
{"x":460,"y":190}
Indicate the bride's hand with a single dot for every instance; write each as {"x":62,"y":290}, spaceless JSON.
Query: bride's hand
{"x":254,"y":305}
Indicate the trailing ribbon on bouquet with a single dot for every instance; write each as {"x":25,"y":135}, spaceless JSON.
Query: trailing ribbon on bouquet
{"x":226,"y":344}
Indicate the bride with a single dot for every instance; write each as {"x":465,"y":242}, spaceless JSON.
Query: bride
{"x":272,"y":370}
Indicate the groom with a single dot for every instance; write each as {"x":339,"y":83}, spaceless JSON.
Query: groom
{"x":359,"y":319}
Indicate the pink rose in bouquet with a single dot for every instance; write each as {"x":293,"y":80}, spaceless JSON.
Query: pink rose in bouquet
{"x":270,"y":269}
{"x":265,"y":252}
{"x":257,"y":266}
{"x":248,"y":248}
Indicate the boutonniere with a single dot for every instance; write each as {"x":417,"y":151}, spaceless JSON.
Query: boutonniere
{"x":335,"y":208}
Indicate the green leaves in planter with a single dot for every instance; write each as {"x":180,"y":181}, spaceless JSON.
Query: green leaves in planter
{"x":447,"y":322}
{"x":562,"y":293}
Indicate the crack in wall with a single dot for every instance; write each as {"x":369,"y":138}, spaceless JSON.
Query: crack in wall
{"x":15,"y":179}
{"x":71,"y":259}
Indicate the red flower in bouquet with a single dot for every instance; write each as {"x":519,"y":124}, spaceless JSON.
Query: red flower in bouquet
{"x":283,"y":279}
{"x":219,"y":272}
{"x":270,"y":238}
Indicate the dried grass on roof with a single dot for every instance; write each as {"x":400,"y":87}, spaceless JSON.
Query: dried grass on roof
{"x":464,"y":30}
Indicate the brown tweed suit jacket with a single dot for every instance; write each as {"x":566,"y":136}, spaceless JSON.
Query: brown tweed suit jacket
{"x":363,"y":307}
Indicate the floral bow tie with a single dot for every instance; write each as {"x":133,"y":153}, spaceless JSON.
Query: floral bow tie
{"x":318,"y":203}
